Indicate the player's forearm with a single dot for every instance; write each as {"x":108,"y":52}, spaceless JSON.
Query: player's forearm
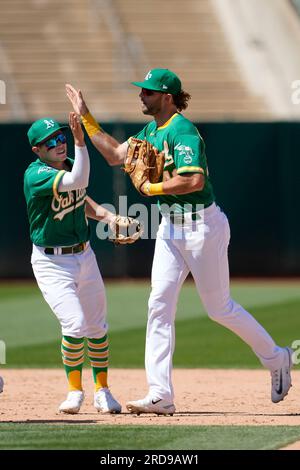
{"x":176,"y":185}
{"x":95,"y":211}
{"x":181,"y":185}
{"x":79,"y":176}
{"x":107,"y":145}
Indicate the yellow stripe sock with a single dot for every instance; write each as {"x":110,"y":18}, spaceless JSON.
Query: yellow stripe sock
{"x":98,"y":355}
{"x":73,"y":357}
{"x":74,"y":379}
{"x":101,"y":381}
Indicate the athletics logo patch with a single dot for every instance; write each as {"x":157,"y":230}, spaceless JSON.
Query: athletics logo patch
{"x":186,"y":151}
{"x":187,"y":159}
{"x":49,"y":123}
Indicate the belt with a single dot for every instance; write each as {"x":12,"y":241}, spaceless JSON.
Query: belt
{"x":65,"y":250}
{"x":190,"y":217}
{"x":183,"y":218}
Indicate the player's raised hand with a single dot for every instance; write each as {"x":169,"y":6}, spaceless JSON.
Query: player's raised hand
{"x":75,"y":126}
{"x":76,"y":99}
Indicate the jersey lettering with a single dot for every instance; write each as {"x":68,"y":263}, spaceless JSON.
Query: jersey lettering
{"x":64,"y":205}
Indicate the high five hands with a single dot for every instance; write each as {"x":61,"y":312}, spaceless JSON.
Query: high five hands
{"x":76,"y":99}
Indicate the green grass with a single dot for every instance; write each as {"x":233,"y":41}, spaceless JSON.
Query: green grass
{"x":81,"y":437}
{"x":32,"y":334}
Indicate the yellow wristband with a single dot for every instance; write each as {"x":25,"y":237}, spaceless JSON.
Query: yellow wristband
{"x":90,"y":124}
{"x":153,"y":189}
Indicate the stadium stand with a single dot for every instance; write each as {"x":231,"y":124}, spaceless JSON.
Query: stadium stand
{"x":102,"y":45}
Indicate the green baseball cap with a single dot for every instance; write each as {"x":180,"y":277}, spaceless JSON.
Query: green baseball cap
{"x":42,"y":129}
{"x":161,"y":80}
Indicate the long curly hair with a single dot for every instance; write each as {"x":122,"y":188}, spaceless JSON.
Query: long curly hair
{"x":181,"y":100}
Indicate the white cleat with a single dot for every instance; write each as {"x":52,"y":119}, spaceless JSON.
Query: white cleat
{"x":149,"y":405}
{"x":1,"y":384}
{"x":73,"y":402}
{"x":104,"y":402}
{"x":281,"y":378}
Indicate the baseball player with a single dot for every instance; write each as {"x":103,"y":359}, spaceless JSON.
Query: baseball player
{"x":63,"y":262}
{"x":1,"y":384}
{"x":189,"y":239}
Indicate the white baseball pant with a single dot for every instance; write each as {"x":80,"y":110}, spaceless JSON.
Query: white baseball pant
{"x":73,"y":287}
{"x":200,"y":248}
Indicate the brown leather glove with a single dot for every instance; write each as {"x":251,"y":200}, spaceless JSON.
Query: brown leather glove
{"x":143,"y":163}
{"x":125,"y":230}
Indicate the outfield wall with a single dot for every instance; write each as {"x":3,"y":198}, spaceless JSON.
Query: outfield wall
{"x":255,"y":171}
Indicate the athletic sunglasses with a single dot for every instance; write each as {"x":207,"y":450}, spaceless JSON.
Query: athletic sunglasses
{"x":54,"y":141}
{"x":147,"y":92}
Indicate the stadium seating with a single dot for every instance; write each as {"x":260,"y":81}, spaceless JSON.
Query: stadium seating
{"x":102,"y":45}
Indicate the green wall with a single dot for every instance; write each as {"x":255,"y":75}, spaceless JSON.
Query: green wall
{"x":255,"y":171}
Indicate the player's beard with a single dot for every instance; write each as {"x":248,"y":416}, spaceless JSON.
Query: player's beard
{"x":151,"y":109}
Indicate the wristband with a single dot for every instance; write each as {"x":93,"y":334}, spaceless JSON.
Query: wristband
{"x":90,"y":124}
{"x":155,"y":189}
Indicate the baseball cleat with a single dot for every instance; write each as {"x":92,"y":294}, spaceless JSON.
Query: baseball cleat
{"x":1,"y":384}
{"x":150,"y":405}
{"x":281,"y":378}
{"x":73,"y":402}
{"x":104,"y":402}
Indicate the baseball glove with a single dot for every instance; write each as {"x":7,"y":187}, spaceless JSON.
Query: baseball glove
{"x":125,"y":230}
{"x":143,"y":163}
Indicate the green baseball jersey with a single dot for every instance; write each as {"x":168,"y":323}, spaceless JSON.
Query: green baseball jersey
{"x":185,"y":154}
{"x":55,"y":219}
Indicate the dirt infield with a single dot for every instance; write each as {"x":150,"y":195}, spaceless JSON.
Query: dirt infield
{"x":203,"y":397}
{"x":294,"y":446}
